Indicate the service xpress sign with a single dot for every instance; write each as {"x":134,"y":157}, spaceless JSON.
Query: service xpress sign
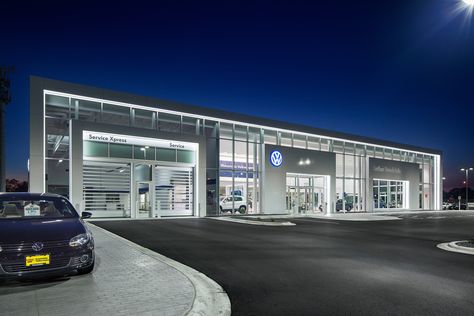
{"x":133,"y":140}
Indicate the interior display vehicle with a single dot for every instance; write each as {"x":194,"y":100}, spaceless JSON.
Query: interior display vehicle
{"x":233,"y":203}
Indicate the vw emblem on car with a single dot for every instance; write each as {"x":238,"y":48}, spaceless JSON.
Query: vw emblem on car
{"x":276,"y":158}
{"x":37,"y":246}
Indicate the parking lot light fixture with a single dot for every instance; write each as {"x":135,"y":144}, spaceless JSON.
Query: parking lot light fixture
{"x":466,"y":182}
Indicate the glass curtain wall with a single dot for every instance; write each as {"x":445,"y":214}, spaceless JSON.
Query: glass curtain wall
{"x":239,"y":169}
{"x":350,"y":177}
{"x":233,"y":151}
{"x":58,"y":113}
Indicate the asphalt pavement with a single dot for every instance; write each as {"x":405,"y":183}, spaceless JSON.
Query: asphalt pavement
{"x":322,"y":267}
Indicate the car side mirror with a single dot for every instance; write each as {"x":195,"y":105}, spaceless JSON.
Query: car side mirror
{"x":85,"y":215}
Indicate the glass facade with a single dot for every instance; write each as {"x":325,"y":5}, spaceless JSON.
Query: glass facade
{"x":233,"y":150}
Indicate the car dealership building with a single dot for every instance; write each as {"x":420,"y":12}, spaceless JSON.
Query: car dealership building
{"x":122,"y":155}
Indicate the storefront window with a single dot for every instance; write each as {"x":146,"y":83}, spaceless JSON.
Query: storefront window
{"x":339,"y":165}
{"x":253,"y":196}
{"x":212,"y":153}
{"x":240,"y":133}
{"x":325,"y":144}
{"x":87,"y":110}
{"x":225,"y":154}
{"x":139,"y":152}
{"x":164,"y":154}
{"x":360,"y":150}
{"x":114,"y":114}
{"x":144,"y":119}
{"x":57,"y":138}
{"x":211,"y":192}
{"x":186,"y":156}
{"x":254,"y":135}
{"x":349,"y":148}
{"x":299,"y":141}
{"x":240,"y":155}
{"x":226,"y":131}
{"x":210,"y":129}
{"x":349,"y":166}
{"x":142,"y":172}
{"x":57,"y":176}
{"x":313,"y":143}
{"x":225,"y":192}
{"x":120,"y":151}
{"x":190,"y":125}
{"x":95,"y":149}
{"x":169,"y":123}
{"x":285,"y":139}
{"x":270,"y":137}
{"x":57,"y":106}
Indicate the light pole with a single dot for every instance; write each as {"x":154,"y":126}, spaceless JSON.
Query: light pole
{"x":467,"y":185}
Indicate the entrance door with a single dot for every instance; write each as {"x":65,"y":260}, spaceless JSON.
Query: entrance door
{"x":143,"y":200}
{"x":306,"y":200}
{"x":306,"y":194}
{"x":292,"y":199}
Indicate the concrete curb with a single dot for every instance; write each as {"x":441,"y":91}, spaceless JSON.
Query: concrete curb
{"x":210,"y":298}
{"x":451,"y":246}
{"x":352,"y":217}
{"x":251,"y":222}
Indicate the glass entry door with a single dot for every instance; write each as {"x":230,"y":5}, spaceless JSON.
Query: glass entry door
{"x":306,"y":194}
{"x":144,"y":200}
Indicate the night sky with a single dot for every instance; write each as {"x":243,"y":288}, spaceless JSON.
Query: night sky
{"x":396,"y":70}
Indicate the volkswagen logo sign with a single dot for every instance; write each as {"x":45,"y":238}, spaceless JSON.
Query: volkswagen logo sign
{"x":276,"y":158}
{"x":37,"y":246}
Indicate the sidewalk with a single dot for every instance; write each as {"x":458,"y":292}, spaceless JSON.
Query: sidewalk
{"x":125,"y":281}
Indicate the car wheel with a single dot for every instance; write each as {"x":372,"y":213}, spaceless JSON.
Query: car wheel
{"x":86,"y":270}
{"x":242,"y":209}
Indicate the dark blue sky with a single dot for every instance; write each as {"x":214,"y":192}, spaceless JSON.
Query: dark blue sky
{"x":396,"y":70}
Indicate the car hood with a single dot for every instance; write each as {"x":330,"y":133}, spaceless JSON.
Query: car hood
{"x":15,"y":231}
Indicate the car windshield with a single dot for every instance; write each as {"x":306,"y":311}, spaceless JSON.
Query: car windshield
{"x":41,"y":207}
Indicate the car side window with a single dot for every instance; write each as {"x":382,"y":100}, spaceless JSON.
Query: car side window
{"x":238,"y":198}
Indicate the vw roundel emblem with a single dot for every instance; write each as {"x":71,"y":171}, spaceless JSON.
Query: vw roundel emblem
{"x":37,"y":246}
{"x":276,"y":158}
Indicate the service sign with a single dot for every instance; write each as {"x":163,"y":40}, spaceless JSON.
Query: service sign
{"x":133,"y":140}
{"x":32,"y":210}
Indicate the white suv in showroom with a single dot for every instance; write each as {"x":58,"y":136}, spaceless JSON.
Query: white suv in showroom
{"x":233,"y":203}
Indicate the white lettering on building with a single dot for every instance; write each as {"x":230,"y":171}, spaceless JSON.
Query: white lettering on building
{"x":393,"y":170}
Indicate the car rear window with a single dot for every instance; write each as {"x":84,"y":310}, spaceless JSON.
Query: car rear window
{"x":42,"y":207}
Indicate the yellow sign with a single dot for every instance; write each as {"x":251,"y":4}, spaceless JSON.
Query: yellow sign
{"x":38,"y":260}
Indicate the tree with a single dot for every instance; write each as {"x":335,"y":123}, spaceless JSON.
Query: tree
{"x":14,"y":185}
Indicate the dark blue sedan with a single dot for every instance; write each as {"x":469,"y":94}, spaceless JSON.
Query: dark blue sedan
{"x":42,"y":234}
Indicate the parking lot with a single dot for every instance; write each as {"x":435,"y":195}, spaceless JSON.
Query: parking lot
{"x":323,"y":266}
